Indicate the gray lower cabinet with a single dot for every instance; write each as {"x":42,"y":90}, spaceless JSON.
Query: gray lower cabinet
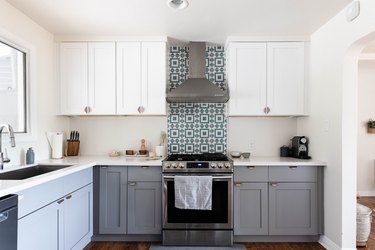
{"x":129,"y":200}
{"x":144,"y":207}
{"x":112,"y":199}
{"x":251,"y":209}
{"x":41,"y":229}
{"x":278,"y":200}
{"x":293,"y":209}
{"x":59,"y":225}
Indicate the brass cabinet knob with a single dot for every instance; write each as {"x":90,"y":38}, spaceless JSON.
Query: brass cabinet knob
{"x":141,"y":109}
{"x":87,"y":109}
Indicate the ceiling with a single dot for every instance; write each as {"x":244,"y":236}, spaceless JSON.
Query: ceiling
{"x":208,"y":20}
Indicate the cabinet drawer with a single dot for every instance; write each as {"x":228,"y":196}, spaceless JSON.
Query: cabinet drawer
{"x":144,"y":173}
{"x":251,"y":173}
{"x":77,"y":180}
{"x":293,"y":173}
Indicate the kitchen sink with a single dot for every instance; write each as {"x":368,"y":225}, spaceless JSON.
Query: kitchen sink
{"x":29,"y":172}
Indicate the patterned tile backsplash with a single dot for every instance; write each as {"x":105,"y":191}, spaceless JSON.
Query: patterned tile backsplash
{"x":197,"y":127}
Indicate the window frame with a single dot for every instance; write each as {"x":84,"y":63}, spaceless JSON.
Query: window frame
{"x":30,"y":86}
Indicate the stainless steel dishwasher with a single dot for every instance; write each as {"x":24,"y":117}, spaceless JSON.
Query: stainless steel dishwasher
{"x":8,"y":222}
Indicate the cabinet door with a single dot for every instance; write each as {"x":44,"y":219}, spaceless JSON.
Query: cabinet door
{"x":293,"y":209}
{"x":144,"y":208}
{"x":102,"y":78}
{"x":77,"y":216}
{"x":154,"y":80}
{"x":41,"y":229}
{"x":128,"y":78}
{"x":112,"y":200}
{"x":73,"y":78}
{"x":247,"y":78}
{"x":251,"y":209}
{"x":285,"y":78}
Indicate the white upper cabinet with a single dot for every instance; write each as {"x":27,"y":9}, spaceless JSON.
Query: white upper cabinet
{"x":141,"y":78}
{"x":266,"y":78}
{"x":73,"y":78}
{"x":102,"y":78}
{"x":88,"y":78}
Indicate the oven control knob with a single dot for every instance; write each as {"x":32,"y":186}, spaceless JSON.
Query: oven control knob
{"x":167,"y":165}
{"x":174,"y":165}
{"x":227,"y":165}
{"x":213,"y":165}
{"x":220,"y":165}
{"x":181,"y":165}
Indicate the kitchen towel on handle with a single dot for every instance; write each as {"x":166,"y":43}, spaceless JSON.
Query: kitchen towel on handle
{"x":193,"y":192}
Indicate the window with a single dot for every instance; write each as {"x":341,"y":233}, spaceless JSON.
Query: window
{"x":13,"y":88}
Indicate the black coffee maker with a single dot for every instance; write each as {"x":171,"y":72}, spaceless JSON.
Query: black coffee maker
{"x":300,"y":148}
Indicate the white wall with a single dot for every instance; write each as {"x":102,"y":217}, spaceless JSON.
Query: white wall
{"x":15,"y":24}
{"x":332,"y":123}
{"x":366,"y":141}
{"x":261,"y":136}
{"x":101,"y":135}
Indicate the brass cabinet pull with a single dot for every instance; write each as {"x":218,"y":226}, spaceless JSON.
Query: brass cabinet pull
{"x":60,"y":201}
{"x":251,"y":167}
{"x":131,"y":183}
{"x":274,"y":184}
{"x":68,"y":197}
{"x":266,"y":110}
{"x":104,"y":167}
{"x":145,"y":167}
{"x":293,"y":167}
{"x":141,"y":109}
{"x":238,"y":184}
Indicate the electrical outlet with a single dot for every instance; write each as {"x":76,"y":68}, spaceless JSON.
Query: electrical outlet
{"x":251,"y":146}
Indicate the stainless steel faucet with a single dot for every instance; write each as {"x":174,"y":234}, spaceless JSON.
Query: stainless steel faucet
{"x":12,"y":144}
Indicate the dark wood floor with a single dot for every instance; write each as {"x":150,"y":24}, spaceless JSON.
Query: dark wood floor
{"x":249,"y":246}
{"x":367,"y":201}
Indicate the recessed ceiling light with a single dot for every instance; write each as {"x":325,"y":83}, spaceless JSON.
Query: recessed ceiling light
{"x":178,"y":4}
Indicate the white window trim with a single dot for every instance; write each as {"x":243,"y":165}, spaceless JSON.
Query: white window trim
{"x":31,"y":87}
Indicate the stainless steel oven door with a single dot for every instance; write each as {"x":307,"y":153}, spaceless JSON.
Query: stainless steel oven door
{"x":219,"y":217}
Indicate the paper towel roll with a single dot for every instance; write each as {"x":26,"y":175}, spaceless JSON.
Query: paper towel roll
{"x":55,"y":140}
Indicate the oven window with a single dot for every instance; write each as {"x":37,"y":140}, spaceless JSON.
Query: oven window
{"x":218,"y":214}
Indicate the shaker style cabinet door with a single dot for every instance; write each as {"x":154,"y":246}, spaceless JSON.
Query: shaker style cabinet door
{"x":141,"y":78}
{"x":102,"y":79}
{"x":285,"y":78}
{"x":247,"y":78}
{"x":251,"y":209}
{"x":112,"y":199}
{"x":73,"y":78}
{"x":88,"y":78}
{"x":266,"y":78}
{"x":144,"y":207}
{"x":293,"y":209}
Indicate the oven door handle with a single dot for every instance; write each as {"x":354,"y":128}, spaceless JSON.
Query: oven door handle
{"x":213,"y":177}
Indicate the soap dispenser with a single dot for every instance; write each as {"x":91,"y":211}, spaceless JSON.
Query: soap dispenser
{"x":30,"y":156}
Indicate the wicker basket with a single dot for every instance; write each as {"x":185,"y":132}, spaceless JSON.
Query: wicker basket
{"x":364,"y":218}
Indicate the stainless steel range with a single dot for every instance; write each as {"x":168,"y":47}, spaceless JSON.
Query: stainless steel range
{"x":193,"y":226}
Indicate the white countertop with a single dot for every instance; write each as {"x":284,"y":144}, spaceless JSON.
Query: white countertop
{"x":275,"y":161}
{"x":78,"y":164}
{"x":83,"y":162}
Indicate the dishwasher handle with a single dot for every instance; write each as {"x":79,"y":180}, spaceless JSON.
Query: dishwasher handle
{"x":4,"y":216}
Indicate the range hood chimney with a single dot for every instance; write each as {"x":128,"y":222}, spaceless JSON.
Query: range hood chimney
{"x":197,"y":88}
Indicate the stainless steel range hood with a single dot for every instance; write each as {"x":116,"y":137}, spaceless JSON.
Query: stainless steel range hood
{"x":197,"y":88}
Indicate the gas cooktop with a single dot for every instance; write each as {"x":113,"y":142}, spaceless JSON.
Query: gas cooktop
{"x":207,"y":162}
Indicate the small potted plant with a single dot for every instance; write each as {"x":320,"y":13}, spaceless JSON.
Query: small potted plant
{"x":371,"y":126}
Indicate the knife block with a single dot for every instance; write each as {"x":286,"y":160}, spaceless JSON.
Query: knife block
{"x":72,"y":148}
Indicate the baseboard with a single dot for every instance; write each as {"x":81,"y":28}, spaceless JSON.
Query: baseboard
{"x":327,"y":243}
{"x":366,"y":193}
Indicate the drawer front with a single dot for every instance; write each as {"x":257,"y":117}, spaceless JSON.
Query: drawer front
{"x":77,"y":180}
{"x":144,"y":173}
{"x":251,"y":173}
{"x":293,"y":173}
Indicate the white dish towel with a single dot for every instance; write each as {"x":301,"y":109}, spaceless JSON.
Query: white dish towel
{"x":193,"y":192}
